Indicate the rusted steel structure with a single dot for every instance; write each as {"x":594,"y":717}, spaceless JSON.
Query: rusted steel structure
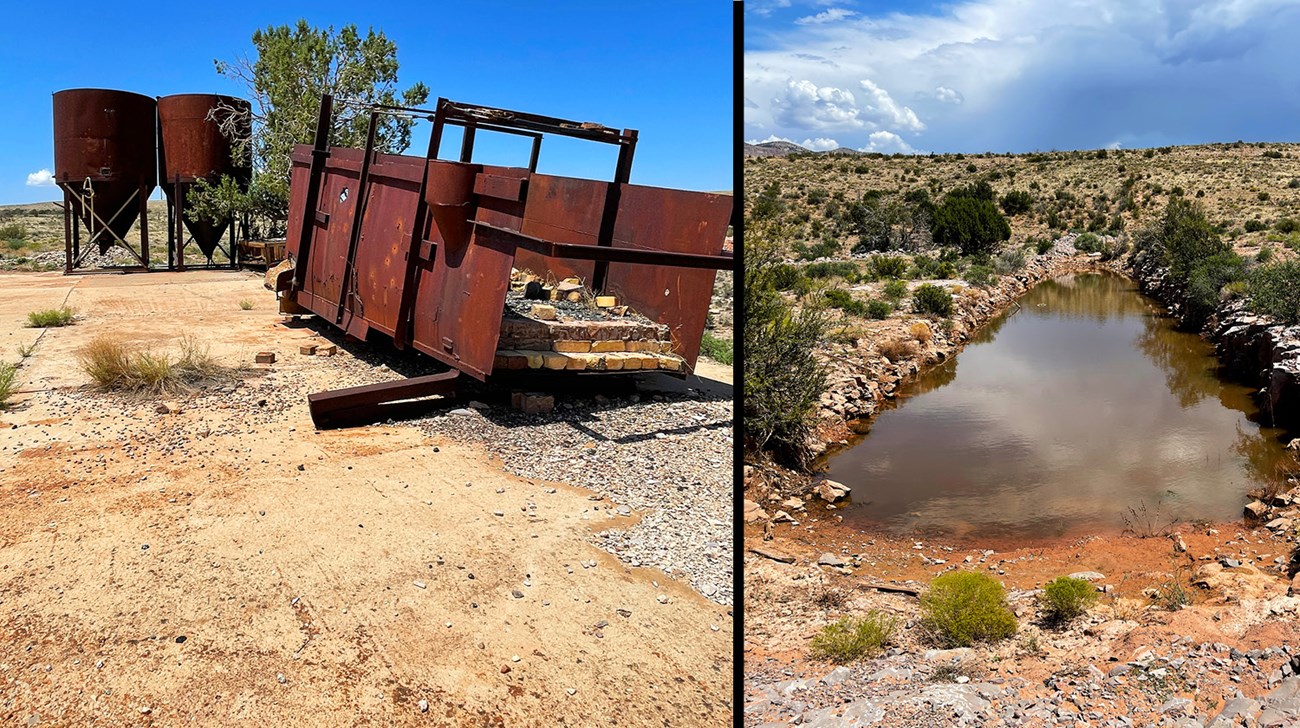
{"x":105,"y":164}
{"x":192,"y":147}
{"x":420,"y":249}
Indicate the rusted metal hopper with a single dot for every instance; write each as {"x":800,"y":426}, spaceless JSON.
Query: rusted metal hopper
{"x":104,"y":159}
{"x":192,"y":147}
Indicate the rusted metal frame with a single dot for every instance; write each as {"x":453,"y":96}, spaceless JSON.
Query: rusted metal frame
{"x":319,"y":152}
{"x":605,"y":237}
{"x":371,"y":402}
{"x":67,"y":231}
{"x":467,"y":144}
{"x":144,"y":225}
{"x":635,"y":256}
{"x":354,"y":239}
{"x":487,"y":115}
{"x":180,"y":242}
{"x":406,"y":305}
{"x":171,"y":236}
{"x":144,"y":230}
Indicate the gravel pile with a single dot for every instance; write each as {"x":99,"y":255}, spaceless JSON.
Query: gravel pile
{"x":569,"y":310}
{"x":665,"y":455}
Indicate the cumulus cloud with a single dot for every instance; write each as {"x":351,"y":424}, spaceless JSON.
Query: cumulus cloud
{"x":948,"y":95}
{"x":820,"y":144}
{"x":42,"y":178}
{"x":805,"y":105}
{"x":771,"y":138}
{"x":1019,"y":75}
{"x":879,"y":102}
{"x":828,"y":16}
{"x":886,"y":142}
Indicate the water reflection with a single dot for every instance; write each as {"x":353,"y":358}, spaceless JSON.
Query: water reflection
{"x":1056,"y":418}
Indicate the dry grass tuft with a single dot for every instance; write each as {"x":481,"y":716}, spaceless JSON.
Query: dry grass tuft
{"x":898,"y":349}
{"x":116,"y":366}
{"x":920,"y":331}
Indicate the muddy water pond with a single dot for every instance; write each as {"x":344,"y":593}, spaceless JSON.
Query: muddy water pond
{"x":1058,"y":418}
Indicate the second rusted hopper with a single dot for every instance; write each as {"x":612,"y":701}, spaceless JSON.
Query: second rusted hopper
{"x":192,"y":146}
{"x":421,"y":251}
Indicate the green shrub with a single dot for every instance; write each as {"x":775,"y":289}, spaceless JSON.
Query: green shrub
{"x":928,"y":298}
{"x":1016,"y":202}
{"x":1088,"y":243}
{"x":50,"y":317}
{"x":895,"y":290}
{"x":843,"y":300}
{"x":1262,"y":197}
{"x":850,"y":639}
{"x":1182,"y":237}
{"x":15,"y":234}
{"x":1275,"y":290}
{"x":1042,"y":246}
{"x":841,"y":268}
{"x":1204,"y":283}
{"x":970,"y":223}
{"x":8,"y":382}
{"x":716,"y":348}
{"x":1264,"y":255}
{"x":1065,"y":598}
{"x":783,"y":378}
{"x":878,"y":309}
{"x":965,"y":607}
{"x":1254,"y":226}
{"x":887,"y":266}
{"x":768,"y":204}
{"x":1287,"y":225}
{"x":1008,"y":262}
{"x":979,"y":275}
{"x":1293,"y":184}
{"x":785,"y":277}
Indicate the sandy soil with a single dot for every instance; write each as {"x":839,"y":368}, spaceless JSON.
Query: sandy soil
{"x":229,"y":563}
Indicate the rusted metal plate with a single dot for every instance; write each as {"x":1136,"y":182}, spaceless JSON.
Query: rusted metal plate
{"x":654,"y":218}
{"x":380,"y":267}
{"x":565,"y":210}
{"x":192,"y":147}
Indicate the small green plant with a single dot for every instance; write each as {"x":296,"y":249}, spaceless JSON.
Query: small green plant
{"x":1275,"y":290}
{"x":25,"y":350}
{"x":50,"y":317}
{"x":895,"y":290}
{"x":887,"y":266}
{"x":14,"y":234}
{"x":1065,"y":598}
{"x":878,"y":309}
{"x":1043,"y":245}
{"x":246,"y":305}
{"x":716,"y":348}
{"x":1255,"y":225}
{"x":1172,"y":596}
{"x":852,"y":639}
{"x":965,"y":607}
{"x":8,"y":382}
{"x":979,"y":275}
{"x":1264,"y":255}
{"x":932,"y":299}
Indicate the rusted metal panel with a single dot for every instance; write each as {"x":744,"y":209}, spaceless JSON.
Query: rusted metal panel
{"x":653,"y":218}
{"x":192,"y":147}
{"x":380,"y":265}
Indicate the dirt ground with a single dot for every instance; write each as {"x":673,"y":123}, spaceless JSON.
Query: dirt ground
{"x":231,"y":564}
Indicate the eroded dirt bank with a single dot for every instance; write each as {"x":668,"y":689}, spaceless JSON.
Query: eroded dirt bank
{"x":228,"y":563}
{"x":1195,"y":626}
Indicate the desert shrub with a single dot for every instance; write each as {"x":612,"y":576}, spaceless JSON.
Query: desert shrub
{"x":1273,"y":154}
{"x":895,"y":290}
{"x":1182,"y":236}
{"x":1065,"y":598}
{"x":716,"y":348}
{"x":1293,"y":184}
{"x":1016,"y":202}
{"x":852,"y":639}
{"x":1088,"y":243}
{"x":1008,"y":262}
{"x":768,"y":203}
{"x":843,"y":300}
{"x":1264,"y":255}
{"x":1207,"y":278}
{"x":785,"y":277}
{"x":246,"y":305}
{"x":50,"y":317}
{"x":816,"y":196}
{"x":1275,"y":290}
{"x":887,"y":266}
{"x":878,"y":309}
{"x":826,"y":248}
{"x":928,"y":298}
{"x":114,"y":365}
{"x":925,"y":266}
{"x":1254,"y":226}
{"x":841,"y":268}
{"x":965,"y":607}
{"x":979,"y":275}
{"x":920,"y":331}
{"x":1287,"y":225}
{"x":8,"y":382}
{"x":783,"y":379}
{"x":1042,"y":246}
{"x":898,"y":349}
{"x":970,"y":223}
{"x":14,"y":232}
{"x":1262,"y":197}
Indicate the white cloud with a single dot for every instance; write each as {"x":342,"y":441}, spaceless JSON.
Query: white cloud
{"x":1113,"y":146}
{"x":805,"y":105}
{"x":42,"y":178}
{"x":1012,"y":75}
{"x":828,"y":16}
{"x":879,"y":102}
{"x":771,"y":138}
{"x":886,"y":142}
{"x":820,"y":144}
{"x":948,"y":95}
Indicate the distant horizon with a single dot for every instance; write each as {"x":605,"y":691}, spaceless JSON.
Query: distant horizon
{"x":920,"y":153}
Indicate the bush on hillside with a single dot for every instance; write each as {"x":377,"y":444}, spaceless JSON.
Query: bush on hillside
{"x":850,"y":639}
{"x":965,"y":607}
{"x":1206,"y":281}
{"x":972,"y":224}
{"x":1274,"y":290}
{"x":1065,"y":598}
{"x":1016,"y":202}
{"x":932,"y":299}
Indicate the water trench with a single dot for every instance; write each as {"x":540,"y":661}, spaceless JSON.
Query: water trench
{"x":1055,"y":420}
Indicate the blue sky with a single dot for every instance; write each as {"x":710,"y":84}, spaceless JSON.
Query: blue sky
{"x":662,"y":68}
{"x":1020,"y":75}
